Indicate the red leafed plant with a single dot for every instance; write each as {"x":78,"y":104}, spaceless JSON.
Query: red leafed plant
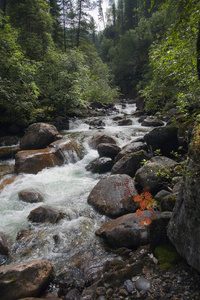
{"x":146,"y":202}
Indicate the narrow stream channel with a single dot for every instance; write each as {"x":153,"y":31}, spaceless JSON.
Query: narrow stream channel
{"x":72,"y":241}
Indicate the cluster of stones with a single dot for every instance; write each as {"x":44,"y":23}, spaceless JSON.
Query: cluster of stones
{"x":175,"y":219}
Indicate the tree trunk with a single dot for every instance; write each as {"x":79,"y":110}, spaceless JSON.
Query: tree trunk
{"x":79,"y":22}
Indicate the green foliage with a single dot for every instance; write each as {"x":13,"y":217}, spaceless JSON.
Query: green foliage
{"x":75,"y":78}
{"x":167,"y":256}
{"x":18,"y":91}
{"x":173,"y":61}
{"x":38,"y":81}
{"x":34,"y":22}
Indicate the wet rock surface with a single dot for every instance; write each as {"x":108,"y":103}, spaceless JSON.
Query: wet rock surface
{"x":100,"y":165}
{"x":25,"y":279}
{"x":45,"y":214}
{"x":33,"y":161}
{"x":99,"y":139}
{"x":38,"y":136}
{"x":113,"y":195}
{"x":31,"y":196}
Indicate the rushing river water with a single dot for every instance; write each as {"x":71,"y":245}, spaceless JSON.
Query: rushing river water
{"x":72,"y":241}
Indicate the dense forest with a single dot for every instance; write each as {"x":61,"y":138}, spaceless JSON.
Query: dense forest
{"x":54,"y":62}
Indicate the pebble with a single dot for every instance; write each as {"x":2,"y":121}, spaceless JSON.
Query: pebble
{"x":142,"y":284}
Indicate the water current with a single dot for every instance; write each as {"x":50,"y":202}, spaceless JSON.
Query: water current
{"x":72,"y":241}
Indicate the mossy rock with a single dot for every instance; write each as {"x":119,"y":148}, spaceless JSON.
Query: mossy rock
{"x":167,"y":256}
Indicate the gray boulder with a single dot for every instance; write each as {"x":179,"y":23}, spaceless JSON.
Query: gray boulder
{"x":129,"y":163}
{"x":108,"y":150}
{"x":113,"y":195}
{"x":130,"y":148}
{"x":99,"y":139}
{"x":160,"y":195}
{"x":38,"y":136}
{"x":125,"y":231}
{"x":155,"y":175}
{"x":27,"y":279}
{"x":100,"y":165}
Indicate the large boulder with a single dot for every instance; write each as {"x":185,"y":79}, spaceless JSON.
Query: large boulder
{"x":183,"y":229}
{"x":26,"y":279}
{"x":44,"y":213}
{"x":99,"y":139}
{"x":108,"y":150}
{"x":38,"y":136}
{"x":100,"y":165}
{"x":129,"y":163}
{"x":164,"y":139}
{"x":126,"y":231}
{"x":70,"y":150}
{"x":130,"y":148}
{"x":113,"y":195}
{"x":34,"y":161}
{"x":155,"y":175}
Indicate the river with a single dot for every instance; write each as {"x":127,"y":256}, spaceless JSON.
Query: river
{"x":72,"y":241}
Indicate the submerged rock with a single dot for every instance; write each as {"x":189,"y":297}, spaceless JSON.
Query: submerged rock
{"x":43,"y":214}
{"x":113,"y":195}
{"x":30,"y":196}
{"x":26,"y":279}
